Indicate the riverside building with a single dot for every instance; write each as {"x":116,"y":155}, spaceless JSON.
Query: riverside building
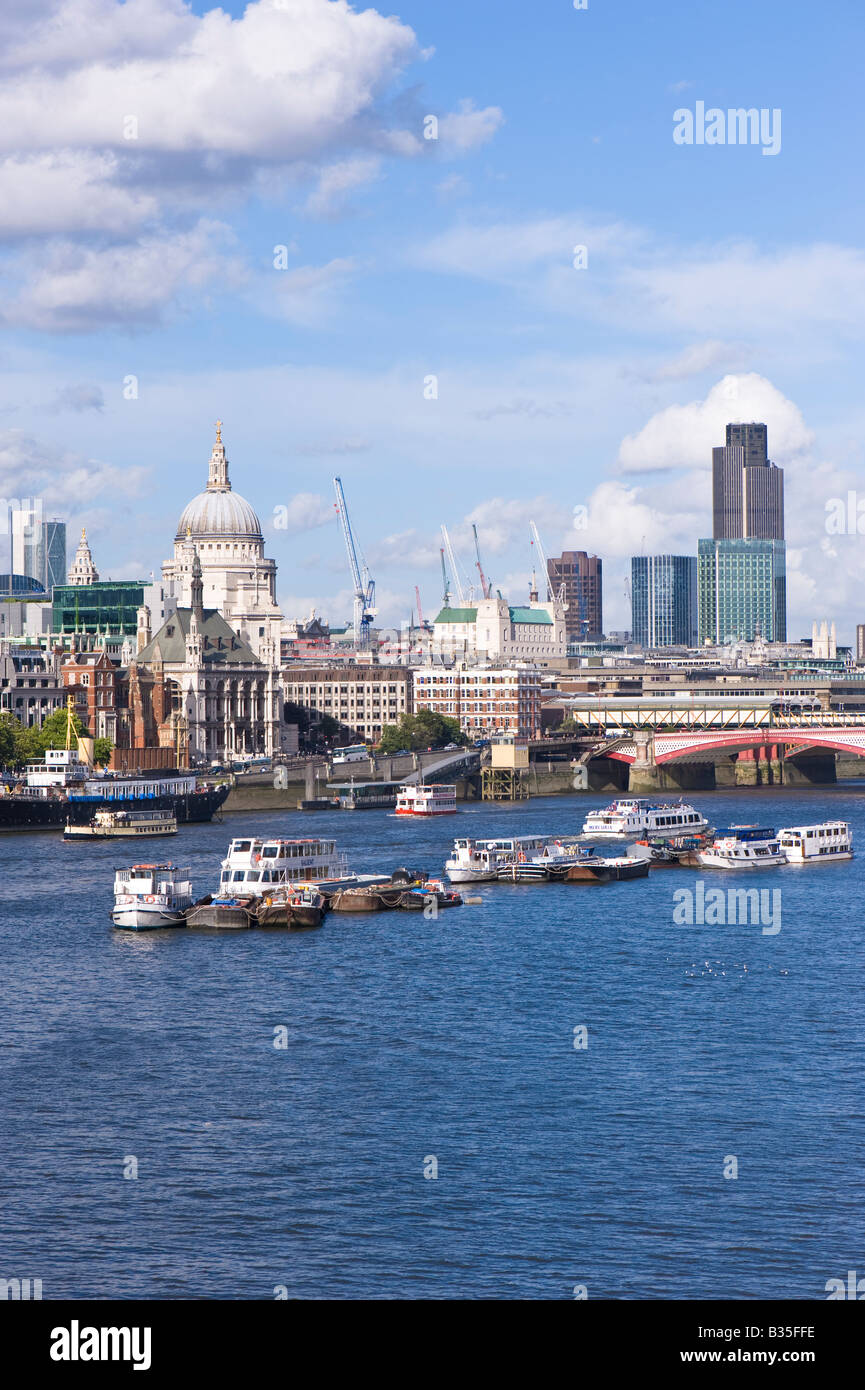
{"x":485,"y":699}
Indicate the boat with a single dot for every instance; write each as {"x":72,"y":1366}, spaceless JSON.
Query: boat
{"x":320,"y":803}
{"x":427,"y":799}
{"x":122,"y":825}
{"x":64,"y":790}
{"x":222,"y":911}
{"x":292,"y":908}
{"x":679,"y":852}
{"x":612,"y":868}
{"x":639,"y":816}
{"x":151,"y":895}
{"x":527,"y":871}
{"x":743,"y":847}
{"x":478,"y":861}
{"x":427,"y":894}
{"x":367,"y":898}
{"x":824,"y":843}
{"x":257,"y":866}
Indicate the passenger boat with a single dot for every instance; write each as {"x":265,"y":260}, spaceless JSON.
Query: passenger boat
{"x":222,"y":912}
{"x":151,"y":895}
{"x":292,"y":908}
{"x":63,"y":789}
{"x":478,"y":861}
{"x":743,"y":847}
{"x":257,"y":866}
{"x":428,"y":799}
{"x":825,"y":843}
{"x":639,"y":816}
{"x":122,"y":825}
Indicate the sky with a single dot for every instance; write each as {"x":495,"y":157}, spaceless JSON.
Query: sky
{"x":547,"y":312}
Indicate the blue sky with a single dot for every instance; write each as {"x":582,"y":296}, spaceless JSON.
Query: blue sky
{"x":721,"y":283}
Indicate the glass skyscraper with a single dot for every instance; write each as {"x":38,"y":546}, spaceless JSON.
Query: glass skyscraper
{"x":741,"y":590}
{"x":664,"y":600}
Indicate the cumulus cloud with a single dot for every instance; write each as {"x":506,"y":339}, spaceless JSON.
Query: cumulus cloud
{"x":682,"y":436}
{"x":467,"y":128}
{"x":62,"y":478}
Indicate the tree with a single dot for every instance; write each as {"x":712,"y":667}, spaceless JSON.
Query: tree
{"x":102,"y":751}
{"x":53,"y":731}
{"x":10,"y":729}
{"x":426,"y":729}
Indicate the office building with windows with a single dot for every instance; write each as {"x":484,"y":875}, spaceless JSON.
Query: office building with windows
{"x":664,"y":600}
{"x":581,"y":576}
{"x":747,"y":489}
{"x":741,"y":590}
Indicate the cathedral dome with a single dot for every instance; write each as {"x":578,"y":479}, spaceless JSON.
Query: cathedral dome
{"x":218,"y":513}
{"x":221,"y":514}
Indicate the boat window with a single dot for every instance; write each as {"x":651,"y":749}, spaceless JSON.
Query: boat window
{"x":253,"y":876}
{"x":241,"y":846}
{"x":265,"y":877}
{"x":269,"y":852}
{"x":238,"y":876}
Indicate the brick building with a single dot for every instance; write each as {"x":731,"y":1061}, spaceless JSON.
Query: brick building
{"x":486,"y":700}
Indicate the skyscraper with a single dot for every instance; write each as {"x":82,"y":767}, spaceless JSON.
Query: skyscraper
{"x":664,"y":600}
{"x":54,"y":547}
{"x":747,"y":490}
{"x":741,"y":590}
{"x":582,"y":577}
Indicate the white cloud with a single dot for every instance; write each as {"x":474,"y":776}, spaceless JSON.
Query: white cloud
{"x":305,"y":512}
{"x":467,"y":128}
{"x":64,"y":479}
{"x":71,"y":288}
{"x":69,"y":189}
{"x":682,"y":436}
{"x":337,"y":181}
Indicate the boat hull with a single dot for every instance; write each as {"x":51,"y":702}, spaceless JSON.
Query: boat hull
{"x":146,"y":918}
{"x":52,"y":813}
{"x":289,"y":916}
{"x":707,"y":860}
{"x":219,"y":917}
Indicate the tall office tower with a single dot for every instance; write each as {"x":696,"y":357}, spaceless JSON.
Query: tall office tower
{"x":54,"y":548}
{"x":582,"y":577}
{"x":664,"y":600}
{"x":860,"y":642}
{"x":741,"y":590}
{"x":747,"y":490}
{"x":27,"y":540}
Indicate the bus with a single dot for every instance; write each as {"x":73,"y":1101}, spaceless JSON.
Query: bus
{"x":354,"y":753}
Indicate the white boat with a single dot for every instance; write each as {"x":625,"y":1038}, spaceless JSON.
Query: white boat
{"x":151,"y":895}
{"x":255,"y":866}
{"x":122,"y":825}
{"x":825,"y":843}
{"x":636,"y":815}
{"x":479,"y":861}
{"x":430,"y":799}
{"x":743,"y":847}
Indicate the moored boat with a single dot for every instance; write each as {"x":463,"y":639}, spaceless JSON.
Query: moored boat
{"x":122,"y":825}
{"x":367,"y":898}
{"x":478,"y":861}
{"x":222,"y":912}
{"x":743,"y":847}
{"x":825,"y":843}
{"x":291,"y":908}
{"x":147,"y":896}
{"x":429,"y":894}
{"x":637,"y":815}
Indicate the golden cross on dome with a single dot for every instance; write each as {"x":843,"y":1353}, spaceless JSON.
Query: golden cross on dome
{"x":219,"y":431}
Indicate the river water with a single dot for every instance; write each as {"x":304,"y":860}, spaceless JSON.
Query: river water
{"x":445,"y":1046}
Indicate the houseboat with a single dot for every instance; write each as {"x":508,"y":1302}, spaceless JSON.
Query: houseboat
{"x":817,"y":844}
{"x":639,"y":816}
{"x":151,"y":895}
{"x":743,"y":847}
{"x":122,"y":825}
{"x":479,"y":861}
{"x":430,"y":799}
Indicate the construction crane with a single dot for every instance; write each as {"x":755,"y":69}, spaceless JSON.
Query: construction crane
{"x":542,"y":557}
{"x":364,"y":587}
{"x":485,"y":588}
{"x":446,"y":584}
{"x":452,"y":560}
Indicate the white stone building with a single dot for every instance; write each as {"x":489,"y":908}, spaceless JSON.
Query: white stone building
{"x":494,"y":630}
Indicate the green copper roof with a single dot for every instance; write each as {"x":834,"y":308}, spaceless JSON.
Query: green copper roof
{"x":457,"y":615}
{"x":221,"y":644}
{"x":531,"y":615}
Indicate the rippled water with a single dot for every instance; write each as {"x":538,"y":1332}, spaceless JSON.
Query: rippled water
{"x":453,"y":1039}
